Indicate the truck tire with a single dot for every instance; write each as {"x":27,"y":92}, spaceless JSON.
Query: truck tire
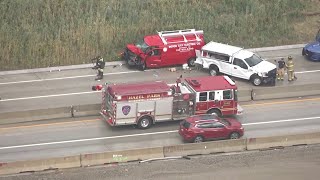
{"x":144,"y":122}
{"x":214,"y":112}
{"x":213,"y":70}
{"x":143,"y":66}
{"x":191,"y":62}
{"x":303,"y":52}
{"x":256,"y":80}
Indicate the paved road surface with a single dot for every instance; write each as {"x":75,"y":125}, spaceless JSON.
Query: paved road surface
{"x":264,"y":118}
{"x":292,"y":163}
{"x":73,"y":87}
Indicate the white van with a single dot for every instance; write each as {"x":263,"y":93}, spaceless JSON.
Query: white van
{"x":237,"y":62}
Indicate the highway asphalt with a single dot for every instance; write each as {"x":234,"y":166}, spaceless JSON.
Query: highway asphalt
{"x":291,"y":163}
{"x":76,"y":136}
{"x":40,"y":90}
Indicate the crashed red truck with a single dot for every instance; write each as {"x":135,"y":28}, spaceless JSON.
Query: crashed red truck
{"x":147,"y":103}
{"x":166,"y":48}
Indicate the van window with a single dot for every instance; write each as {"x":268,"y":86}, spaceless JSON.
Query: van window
{"x":240,"y":63}
{"x":227,"y":94}
{"x":203,"y":96}
{"x":156,"y":52}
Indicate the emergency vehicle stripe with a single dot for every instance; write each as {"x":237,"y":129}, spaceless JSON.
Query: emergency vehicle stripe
{"x":228,"y":109}
{"x":224,"y":109}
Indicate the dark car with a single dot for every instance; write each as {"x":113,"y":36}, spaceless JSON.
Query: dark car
{"x":199,"y":128}
{"x":312,"y":50}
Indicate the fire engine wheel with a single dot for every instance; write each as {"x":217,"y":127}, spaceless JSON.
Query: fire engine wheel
{"x":234,"y":135}
{"x":214,"y":112}
{"x":256,"y":80}
{"x":144,"y":122}
{"x":198,"y":139}
{"x":191,"y":62}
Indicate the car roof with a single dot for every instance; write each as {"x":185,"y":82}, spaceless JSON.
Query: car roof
{"x":202,"y":118}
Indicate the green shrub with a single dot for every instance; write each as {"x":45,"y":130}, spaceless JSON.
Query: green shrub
{"x":42,"y":33}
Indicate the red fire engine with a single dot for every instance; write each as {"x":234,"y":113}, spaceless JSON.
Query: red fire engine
{"x":166,"y":48}
{"x":146,"y":103}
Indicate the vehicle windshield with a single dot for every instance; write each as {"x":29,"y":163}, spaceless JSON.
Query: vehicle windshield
{"x":253,"y":60}
{"x":225,"y":122}
{"x":142,"y":45}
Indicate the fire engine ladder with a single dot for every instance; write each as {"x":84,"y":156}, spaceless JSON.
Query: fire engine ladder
{"x":164,"y":34}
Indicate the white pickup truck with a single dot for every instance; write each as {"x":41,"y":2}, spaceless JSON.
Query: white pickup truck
{"x":237,"y":62}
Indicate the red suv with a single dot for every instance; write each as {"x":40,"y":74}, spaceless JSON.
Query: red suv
{"x":199,"y":128}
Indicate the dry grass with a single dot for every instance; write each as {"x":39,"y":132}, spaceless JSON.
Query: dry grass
{"x":42,"y":33}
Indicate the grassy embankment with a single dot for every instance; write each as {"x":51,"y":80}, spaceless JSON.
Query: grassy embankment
{"x":42,"y":33}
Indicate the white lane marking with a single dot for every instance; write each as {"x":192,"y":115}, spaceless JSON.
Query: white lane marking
{"x":313,"y":71}
{"x":280,"y":121}
{"x":125,"y":72}
{"x":143,"y":134}
{"x":53,"y":95}
{"x":47,"y":96}
{"x":70,"y":77}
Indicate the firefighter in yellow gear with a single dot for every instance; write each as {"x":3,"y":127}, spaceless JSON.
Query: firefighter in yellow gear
{"x":290,"y":69}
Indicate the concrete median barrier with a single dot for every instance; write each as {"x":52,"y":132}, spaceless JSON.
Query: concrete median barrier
{"x":121,"y":156}
{"x":286,"y":91}
{"x":34,"y":115}
{"x":86,"y":110}
{"x":205,"y":148}
{"x":244,"y":95}
{"x":282,"y":141}
{"x":39,"y":165}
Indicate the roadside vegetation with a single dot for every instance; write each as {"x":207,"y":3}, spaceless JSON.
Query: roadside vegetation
{"x":43,"y":33}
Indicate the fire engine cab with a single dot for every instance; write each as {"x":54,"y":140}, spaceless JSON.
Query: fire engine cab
{"x":146,"y":103}
{"x":166,"y":48}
